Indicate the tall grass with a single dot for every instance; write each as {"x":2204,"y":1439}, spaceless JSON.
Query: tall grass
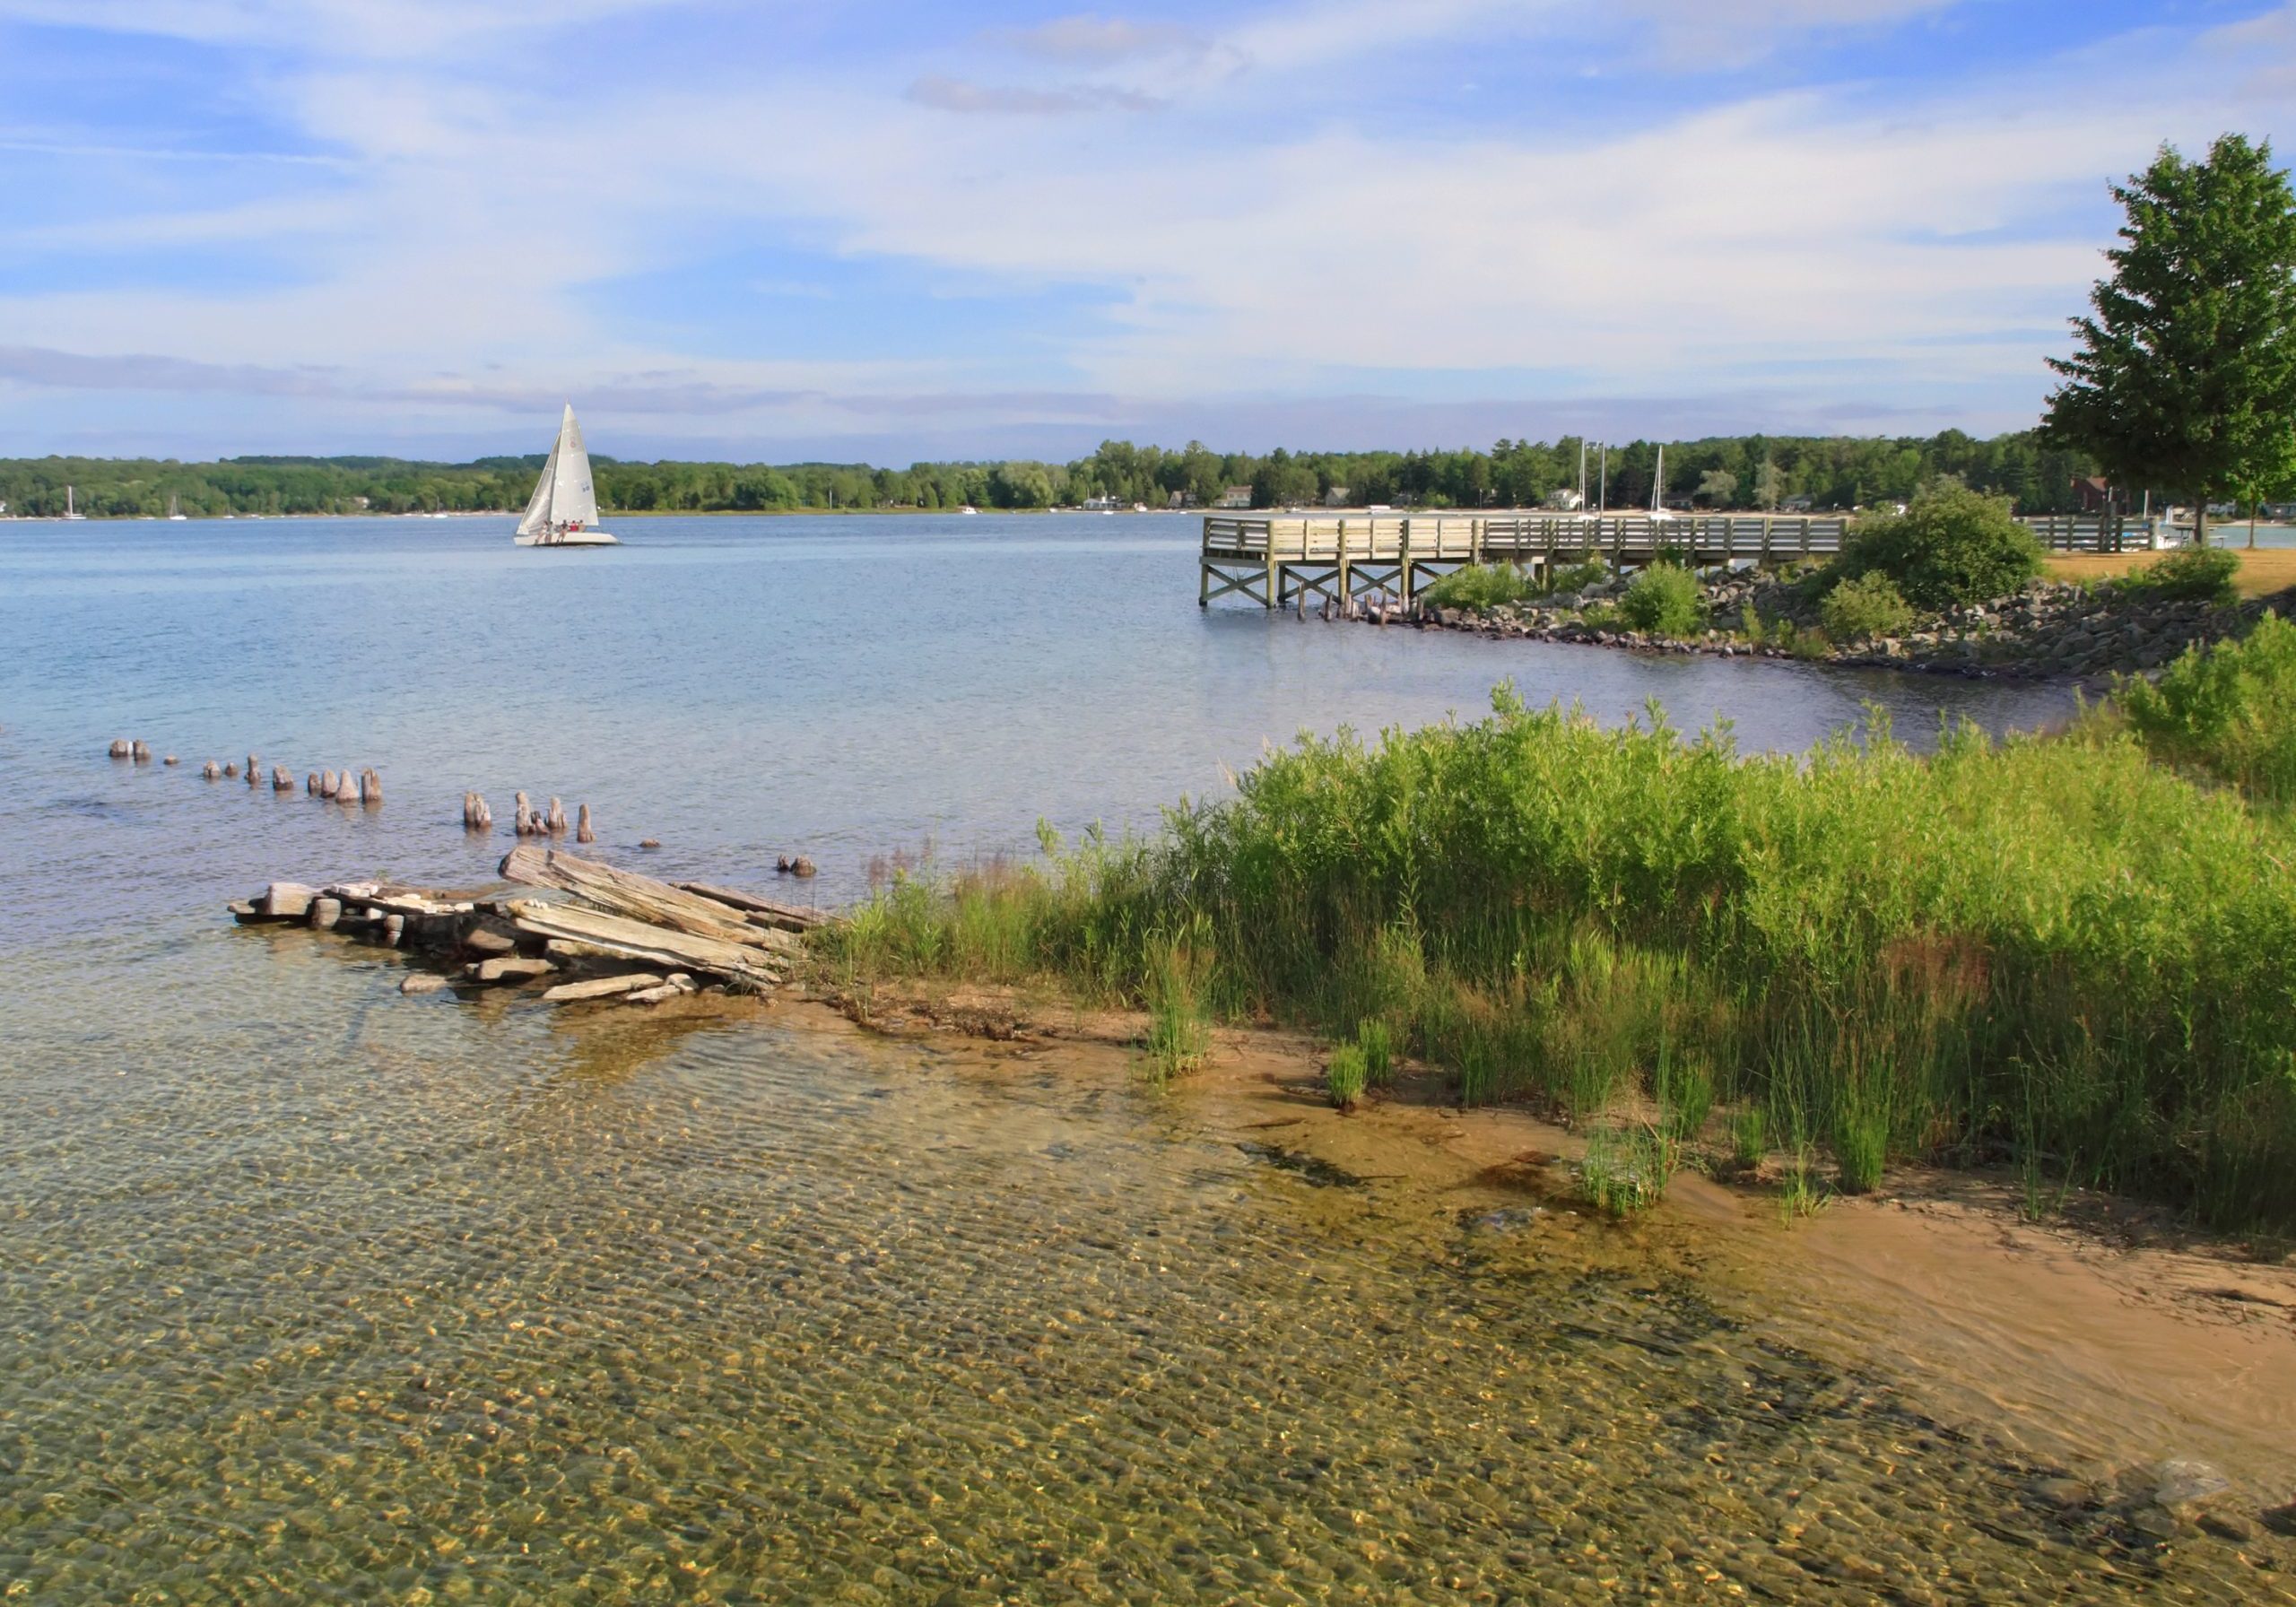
{"x":2053,"y":944}
{"x":2229,"y":709}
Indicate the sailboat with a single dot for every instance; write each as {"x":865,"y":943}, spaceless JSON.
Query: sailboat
{"x":564,"y":511}
{"x":1658,"y":509}
{"x":175,"y":514}
{"x":70,"y":511}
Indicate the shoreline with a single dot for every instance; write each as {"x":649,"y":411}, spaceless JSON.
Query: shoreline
{"x":2055,"y":629}
{"x":2161,"y":1358}
{"x":2152,"y":1345}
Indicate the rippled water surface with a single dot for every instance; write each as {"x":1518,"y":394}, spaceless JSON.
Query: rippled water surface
{"x":735,"y":688}
{"x":310,"y":1291}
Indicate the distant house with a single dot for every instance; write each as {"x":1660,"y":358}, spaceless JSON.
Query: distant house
{"x":1339,"y":495}
{"x":1180,"y":499}
{"x":1802,"y":503}
{"x":1565,"y":501}
{"x":2094,"y":492}
{"x":1102,"y":504}
{"x":1235,"y":496}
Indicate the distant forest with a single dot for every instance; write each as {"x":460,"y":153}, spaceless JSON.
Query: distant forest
{"x":1728,"y":472}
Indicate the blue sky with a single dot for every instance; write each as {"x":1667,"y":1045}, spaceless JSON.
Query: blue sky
{"x":890,"y":229}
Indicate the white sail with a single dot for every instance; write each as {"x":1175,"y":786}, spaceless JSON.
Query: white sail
{"x":537,"y":514}
{"x":565,"y":501}
{"x":572,"y":498}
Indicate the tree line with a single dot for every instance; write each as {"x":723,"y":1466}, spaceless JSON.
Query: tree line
{"x":1731,"y":472}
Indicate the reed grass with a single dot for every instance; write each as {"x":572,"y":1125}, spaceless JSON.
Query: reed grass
{"x":2059,"y":945}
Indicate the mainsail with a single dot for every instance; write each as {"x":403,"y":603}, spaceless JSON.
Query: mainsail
{"x":563,"y":497}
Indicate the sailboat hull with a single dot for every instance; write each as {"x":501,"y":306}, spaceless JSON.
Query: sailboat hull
{"x":579,"y":538}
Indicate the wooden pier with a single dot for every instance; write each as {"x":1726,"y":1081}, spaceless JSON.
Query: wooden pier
{"x":1277,"y":560}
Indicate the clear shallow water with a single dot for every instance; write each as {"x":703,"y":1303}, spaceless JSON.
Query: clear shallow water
{"x":308,"y":1291}
{"x":312,"y":1292}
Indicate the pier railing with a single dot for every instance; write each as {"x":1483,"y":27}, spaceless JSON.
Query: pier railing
{"x":1277,"y":558}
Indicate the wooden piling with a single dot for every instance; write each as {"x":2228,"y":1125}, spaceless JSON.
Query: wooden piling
{"x":582,"y":832}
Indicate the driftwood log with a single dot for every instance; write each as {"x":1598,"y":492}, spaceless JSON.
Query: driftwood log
{"x":603,"y":987}
{"x":763,"y":911}
{"x":627,"y":939}
{"x":640,"y":898}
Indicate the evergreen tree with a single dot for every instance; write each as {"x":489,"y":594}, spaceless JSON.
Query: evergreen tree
{"x":2185,"y":377}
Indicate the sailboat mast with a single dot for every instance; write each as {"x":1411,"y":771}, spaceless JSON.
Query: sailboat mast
{"x":1659,"y":483}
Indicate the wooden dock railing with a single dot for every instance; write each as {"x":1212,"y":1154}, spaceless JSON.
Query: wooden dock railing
{"x":1277,"y":559}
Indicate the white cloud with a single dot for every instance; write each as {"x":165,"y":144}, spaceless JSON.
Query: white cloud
{"x":1793,"y":246}
{"x":1086,"y":37}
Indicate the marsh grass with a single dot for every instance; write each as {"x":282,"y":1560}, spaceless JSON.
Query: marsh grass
{"x":2056,"y":944}
{"x":1344,"y":1075}
{"x":2229,"y":709}
{"x":1749,"y":1136}
{"x":1627,"y":1167}
{"x":1376,"y":1044}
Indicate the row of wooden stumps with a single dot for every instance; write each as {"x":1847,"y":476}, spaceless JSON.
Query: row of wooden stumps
{"x":528,"y":822}
{"x":611,"y":934}
{"x":336,"y":786}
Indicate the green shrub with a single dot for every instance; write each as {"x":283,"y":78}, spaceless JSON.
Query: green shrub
{"x":1869,"y":606}
{"x":1378,"y":1047}
{"x":1664,"y":599}
{"x":1952,"y":545}
{"x":1480,"y":587}
{"x":1577,"y":577}
{"x":2229,"y":709}
{"x":2203,"y":574}
{"x":1344,"y":1076}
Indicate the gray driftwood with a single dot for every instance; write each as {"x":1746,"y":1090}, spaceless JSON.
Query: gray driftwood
{"x":763,"y":911}
{"x":627,"y":939}
{"x":640,"y":898}
{"x":603,"y":987}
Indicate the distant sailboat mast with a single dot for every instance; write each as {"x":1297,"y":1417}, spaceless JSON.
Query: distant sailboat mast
{"x":1658,"y":485}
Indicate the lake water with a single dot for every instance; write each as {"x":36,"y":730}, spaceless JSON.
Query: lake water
{"x":310,"y":1291}
{"x":735,"y":688}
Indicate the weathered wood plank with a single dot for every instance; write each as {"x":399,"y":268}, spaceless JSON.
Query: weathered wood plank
{"x":654,"y":945}
{"x":602,"y":987}
{"x":771,"y":912}
{"x":638,"y":898}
